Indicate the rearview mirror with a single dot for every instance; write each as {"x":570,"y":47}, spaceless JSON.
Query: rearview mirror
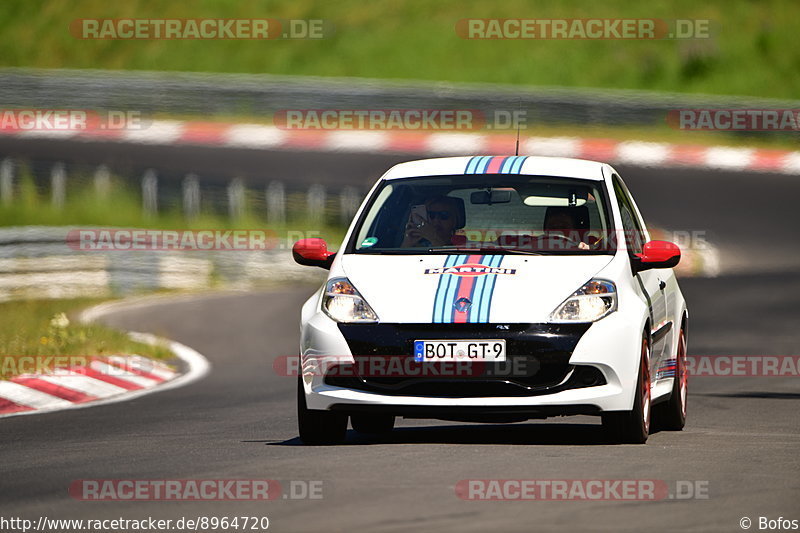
{"x":313,"y":252}
{"x":658,"y":254}
{"x":497,"y":196}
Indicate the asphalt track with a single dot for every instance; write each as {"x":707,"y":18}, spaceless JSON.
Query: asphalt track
{"x":741,"y":438}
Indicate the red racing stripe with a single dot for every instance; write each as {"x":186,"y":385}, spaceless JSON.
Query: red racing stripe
{"x":465,"y":285}
{"x":494,"y":164}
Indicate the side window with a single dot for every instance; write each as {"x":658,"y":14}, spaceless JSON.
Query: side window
{"x":634,"y":235}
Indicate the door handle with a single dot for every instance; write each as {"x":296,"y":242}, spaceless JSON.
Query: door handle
{"x":662,"y":284}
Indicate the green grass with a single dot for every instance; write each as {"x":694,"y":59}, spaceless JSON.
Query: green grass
{"x":31,"y":329}
{"x":753,"y":50}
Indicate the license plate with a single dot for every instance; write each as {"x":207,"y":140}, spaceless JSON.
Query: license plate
{"x":451,"y":350}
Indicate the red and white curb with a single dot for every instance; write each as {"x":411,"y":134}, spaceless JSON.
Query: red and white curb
{"x":257,"y":136}
{"x":103,"y":377}
{"x":103,"y":381}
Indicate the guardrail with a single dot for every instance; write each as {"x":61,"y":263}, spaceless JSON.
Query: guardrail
{"x":38,"y":262}
{"x":262,"y":95}
{"x":274,"y":202}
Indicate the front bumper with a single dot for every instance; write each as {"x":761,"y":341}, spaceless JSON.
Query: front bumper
{"x":607,"y":347}
{"x":537,"y":361}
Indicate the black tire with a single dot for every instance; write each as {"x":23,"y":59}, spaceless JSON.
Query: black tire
{"x":671,"y":415}
{"x":633,"y":427}
{"x":318,"y":427}
{"x":372,"y":424}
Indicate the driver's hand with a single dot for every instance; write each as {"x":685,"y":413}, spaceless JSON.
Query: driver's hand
{"x":413,"y":234}
{"x":416,"y":232}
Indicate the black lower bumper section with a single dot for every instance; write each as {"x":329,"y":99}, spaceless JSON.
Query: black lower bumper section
{"x":579,"y":376}
{"x":537,"y":360}
{"x":470,"y":414}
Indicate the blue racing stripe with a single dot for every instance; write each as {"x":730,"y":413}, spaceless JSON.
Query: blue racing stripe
{"x":483,"y":164}
{"x":473,"y":162}
{"x":517,"y":166}
{"x":485,"y":309}
{"x":450,"y":293}
{"x":480,"y":163}
{"x":438,"y":302}
{"x":481,"y":299}
{"x":488,"y":293}
{"x":451,"y":287}
{"x":452,"y":309}
{"x":477,"y":295}
{"x":448,"y":280}
{"x":506,"y":166}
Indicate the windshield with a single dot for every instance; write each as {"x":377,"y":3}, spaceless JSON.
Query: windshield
{"x":491,"y":213}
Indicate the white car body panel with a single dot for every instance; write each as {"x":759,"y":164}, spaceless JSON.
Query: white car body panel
{"x":403,"y":293}
{"x":399,"y":291}
{"x":538,"y":166}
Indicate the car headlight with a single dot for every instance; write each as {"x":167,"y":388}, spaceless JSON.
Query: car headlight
{"x":596,"y":299}
{"x":343,"y":303}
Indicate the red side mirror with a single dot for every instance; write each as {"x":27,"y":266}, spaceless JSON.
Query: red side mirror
{"x":313,"y":252}
{"x":659,"y":254}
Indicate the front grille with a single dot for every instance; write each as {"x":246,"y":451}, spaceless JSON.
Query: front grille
{"x":580,"y":377}
{"x":537,"y":360}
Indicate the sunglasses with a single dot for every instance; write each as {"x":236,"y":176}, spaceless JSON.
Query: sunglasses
{"x":441,"y":215}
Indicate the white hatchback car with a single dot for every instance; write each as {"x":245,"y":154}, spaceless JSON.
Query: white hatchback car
{"x":494,"y":288}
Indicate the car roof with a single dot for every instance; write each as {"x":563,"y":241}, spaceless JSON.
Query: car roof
{"x":528,"y":165}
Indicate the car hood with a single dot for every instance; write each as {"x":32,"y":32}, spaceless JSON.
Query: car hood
{"x":467,"y":288}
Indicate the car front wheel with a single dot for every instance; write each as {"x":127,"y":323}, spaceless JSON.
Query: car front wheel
{"x":671,"y":415}
{"x":633,"y":427}
{"x":318,"y":427}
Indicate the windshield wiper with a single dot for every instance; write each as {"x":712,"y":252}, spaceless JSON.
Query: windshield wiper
{"x":485,"y":251}
{"x":454,"y":249}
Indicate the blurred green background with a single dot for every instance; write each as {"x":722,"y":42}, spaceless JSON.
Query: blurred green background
{"x":753,"y":49}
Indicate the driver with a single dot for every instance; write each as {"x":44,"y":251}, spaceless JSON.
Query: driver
{"x":563,"y":224}
{"x":438,"y":229}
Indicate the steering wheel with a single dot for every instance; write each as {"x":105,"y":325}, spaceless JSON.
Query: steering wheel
{"x":560,"y":236}
{"x":599,"y":242}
